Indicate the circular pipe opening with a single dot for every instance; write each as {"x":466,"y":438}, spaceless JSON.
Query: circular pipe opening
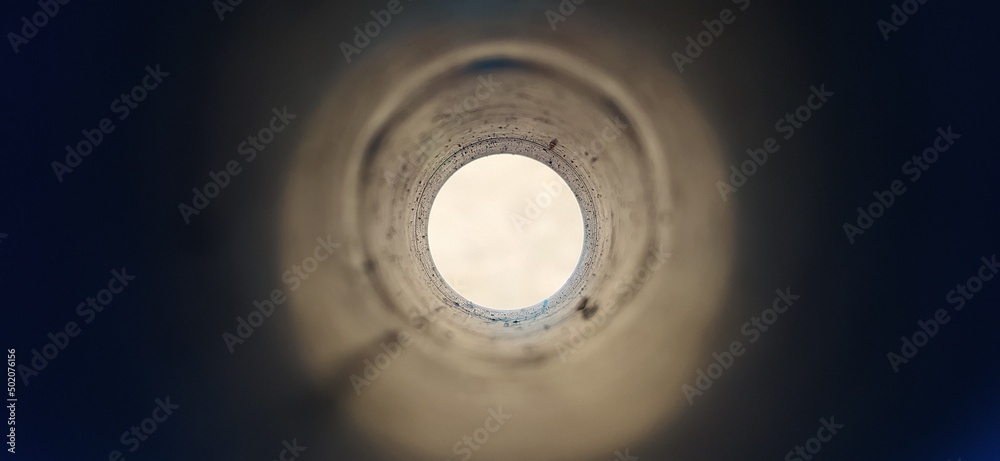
{"x":505,"y":232}
{"x":638,"y":157}
{"x":568,"y":121}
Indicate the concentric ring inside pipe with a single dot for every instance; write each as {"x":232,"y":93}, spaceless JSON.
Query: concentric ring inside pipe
{"x":603,"y":359}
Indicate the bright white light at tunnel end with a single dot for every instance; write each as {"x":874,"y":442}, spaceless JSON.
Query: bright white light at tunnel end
{"x":505,"y":232}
